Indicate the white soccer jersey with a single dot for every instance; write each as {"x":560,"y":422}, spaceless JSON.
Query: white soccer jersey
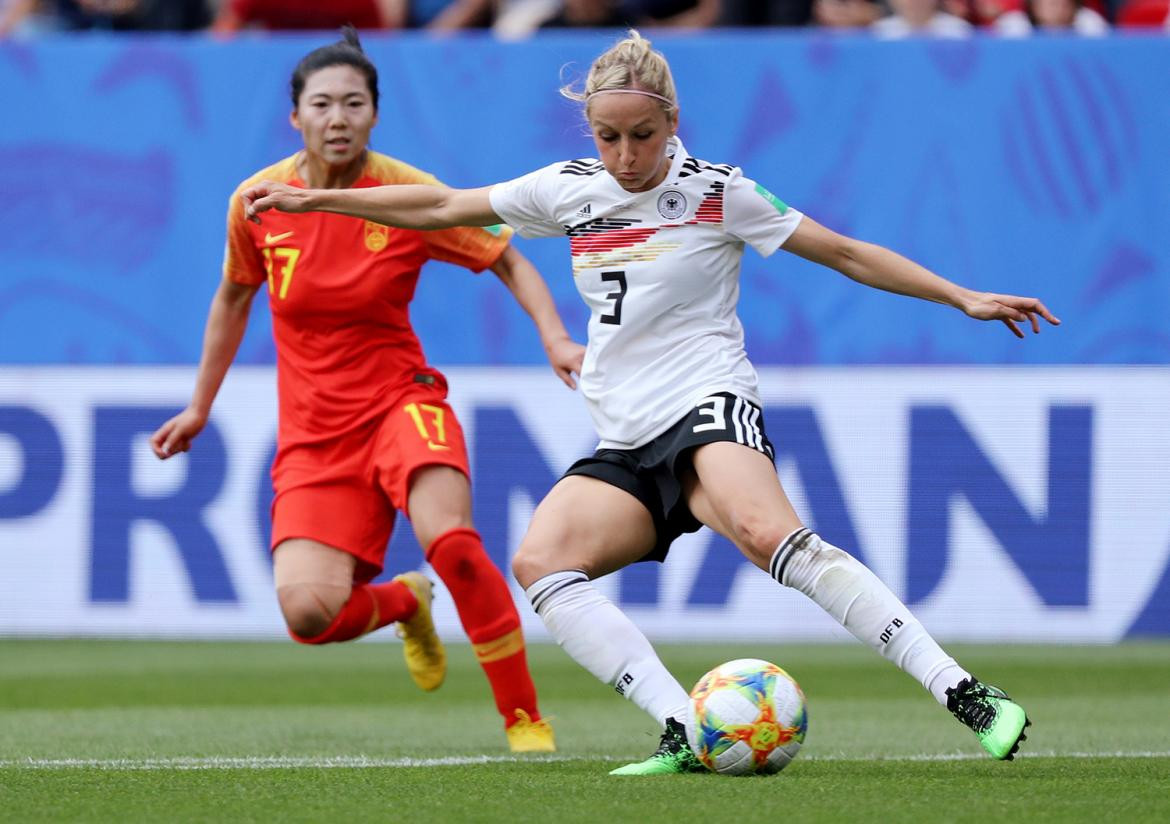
{"x":659,"y":271}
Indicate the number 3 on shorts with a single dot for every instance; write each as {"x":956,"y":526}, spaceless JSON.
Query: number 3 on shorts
{"x":436,"y":414}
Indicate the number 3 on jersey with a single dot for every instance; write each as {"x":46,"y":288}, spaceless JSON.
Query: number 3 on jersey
{"x":288,"y":259}
{"x":617,"y":297}
{"x":436,"y":413}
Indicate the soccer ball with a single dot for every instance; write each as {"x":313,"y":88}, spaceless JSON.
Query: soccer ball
{"x":746,"y":717}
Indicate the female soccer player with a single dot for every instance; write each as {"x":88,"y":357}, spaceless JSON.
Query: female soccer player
{"x":364,"y":426}
{"x":656,"y":238}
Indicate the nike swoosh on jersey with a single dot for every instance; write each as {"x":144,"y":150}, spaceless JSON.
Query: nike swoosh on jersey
{"x":269,"y":239}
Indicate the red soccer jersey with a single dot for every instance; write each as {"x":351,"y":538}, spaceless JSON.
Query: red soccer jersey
{"x":339,"y":289}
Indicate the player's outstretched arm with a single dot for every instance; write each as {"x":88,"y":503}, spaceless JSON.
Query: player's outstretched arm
{"x":408,"y":206}
{"x":881,"y":268}
{"x":226,"y":323}
{"x":528,"y":287}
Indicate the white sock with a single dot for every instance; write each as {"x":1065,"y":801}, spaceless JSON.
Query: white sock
{"x":846,"y":589}
{"x":598,"y":636}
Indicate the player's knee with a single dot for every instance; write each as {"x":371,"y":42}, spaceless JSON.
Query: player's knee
{"x":306,"y":612}
{"x":532,"y":562}
{"x":435,"y":527}
{"x":545,"y":549}
{"x":757,"y":534}
{"x":525,"y":566}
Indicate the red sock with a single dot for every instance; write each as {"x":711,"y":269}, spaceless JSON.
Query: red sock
{"x":370,"y":606}
{"x":489,"y":618}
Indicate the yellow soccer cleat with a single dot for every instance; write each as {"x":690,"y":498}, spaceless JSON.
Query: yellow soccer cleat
{"x":526,"y":735}
{"x":425,"y":657}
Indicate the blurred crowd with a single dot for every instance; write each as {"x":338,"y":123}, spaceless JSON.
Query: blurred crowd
{"x":512,"y":19}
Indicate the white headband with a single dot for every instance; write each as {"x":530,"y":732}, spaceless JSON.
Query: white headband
{"x":591,"y":95}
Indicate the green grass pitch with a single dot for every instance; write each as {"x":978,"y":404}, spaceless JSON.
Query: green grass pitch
{"x":137,"y":731}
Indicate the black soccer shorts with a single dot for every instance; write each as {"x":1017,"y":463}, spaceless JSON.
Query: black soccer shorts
{"x":653,"y":472}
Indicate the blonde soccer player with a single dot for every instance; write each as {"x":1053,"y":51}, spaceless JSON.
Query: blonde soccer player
{"x":364,"y":426}
{"x":656,"y":237}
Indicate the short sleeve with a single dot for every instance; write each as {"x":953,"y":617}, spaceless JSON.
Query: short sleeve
{"x":756,"y":216}
{"x":528,"y":203}
{"x":467,"y":246}
{"x":241,"y":261}
{"x":471,"y":247}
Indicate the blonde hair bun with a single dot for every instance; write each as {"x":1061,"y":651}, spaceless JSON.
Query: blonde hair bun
{"x":631,"y":63}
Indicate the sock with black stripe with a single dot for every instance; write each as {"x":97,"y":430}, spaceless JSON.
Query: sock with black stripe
{"x":858,"y":600}
{"x":599,"y":637}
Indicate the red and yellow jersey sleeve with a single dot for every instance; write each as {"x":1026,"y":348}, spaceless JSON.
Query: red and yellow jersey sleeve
{"x":242,"y":262}
{"x":474,"y":248}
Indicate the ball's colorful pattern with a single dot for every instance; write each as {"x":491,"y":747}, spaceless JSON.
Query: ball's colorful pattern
{"x":746,"y":716}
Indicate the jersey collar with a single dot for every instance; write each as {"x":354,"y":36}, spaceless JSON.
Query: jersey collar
{"x":680,"y":155}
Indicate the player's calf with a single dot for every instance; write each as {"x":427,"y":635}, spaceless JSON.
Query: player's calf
{"x":490,"y":619}
{"x":859,"y":601}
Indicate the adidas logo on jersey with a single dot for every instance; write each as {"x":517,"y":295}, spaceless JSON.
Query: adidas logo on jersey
{"x":585,"y":211}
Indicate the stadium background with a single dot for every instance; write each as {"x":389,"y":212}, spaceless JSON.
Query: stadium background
{"x":1009,"y":490}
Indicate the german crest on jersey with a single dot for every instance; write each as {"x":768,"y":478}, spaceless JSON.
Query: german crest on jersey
{"x":672,"y":204}
{"x":377,"y":236}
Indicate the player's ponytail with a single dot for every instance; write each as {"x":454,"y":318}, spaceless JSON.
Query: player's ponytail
{"x":345,"y":52}
{"x":630,"y":63}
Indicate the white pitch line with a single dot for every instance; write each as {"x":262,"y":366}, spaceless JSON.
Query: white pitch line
{"x":973,"y":756}
{"x":275,"y":762}
{"x":365,"y":762}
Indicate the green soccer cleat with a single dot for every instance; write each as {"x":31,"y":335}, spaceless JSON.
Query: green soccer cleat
{"x":996,"y":719}
{"x":672,"y":756}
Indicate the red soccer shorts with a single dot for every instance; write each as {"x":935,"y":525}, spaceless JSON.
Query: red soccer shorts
{"x":345,"y":492}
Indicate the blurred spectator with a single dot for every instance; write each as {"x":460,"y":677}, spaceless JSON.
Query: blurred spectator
{"x":920,"y":18}
{"x":519,"y":18}
{"x":451,"y":15}
{"x":767,"y":12}
{"x":1052,"y":15}
{"x":17,"y":16}
{"x":113,"y":15}
{"x":135,"y":15}
{"x":682,"y":14}
{"x":846,"y":14}
{"x":589,"y":13}
{"x":688,"y":14}
{"x":1144,"y":14}
{"x":310,"y":14}
{"x":981,"y":13}
{"x":509,"y":19}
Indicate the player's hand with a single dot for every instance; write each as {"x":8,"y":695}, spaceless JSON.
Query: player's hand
{"x":566,"y":357}
{"x":268,"y":194}
{"x":1010,"y":309}
{"x":175,"y":435}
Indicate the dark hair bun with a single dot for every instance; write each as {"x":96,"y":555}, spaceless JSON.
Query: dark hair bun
{"x":350,"y":36}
